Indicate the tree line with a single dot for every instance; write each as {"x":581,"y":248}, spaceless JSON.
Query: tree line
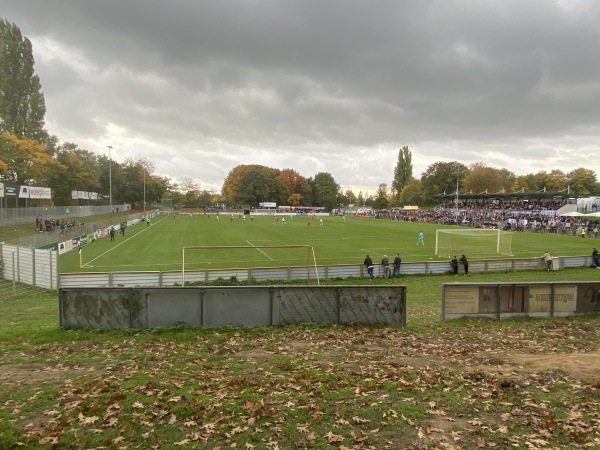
{"x":30,"y":155}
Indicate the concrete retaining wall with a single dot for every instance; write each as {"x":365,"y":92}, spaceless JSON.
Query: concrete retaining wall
{"x":544,"y":299}
{"x":220,"y":306}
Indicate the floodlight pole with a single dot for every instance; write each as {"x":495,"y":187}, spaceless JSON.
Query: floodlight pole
{"x":457,"y":175}
{"x":110,"y":177}
{"x":144,"y":191}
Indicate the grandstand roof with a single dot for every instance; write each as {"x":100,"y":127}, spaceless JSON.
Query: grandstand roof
{"x":519,"y":195}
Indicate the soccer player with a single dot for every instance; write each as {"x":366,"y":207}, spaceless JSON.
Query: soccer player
{"x":420,"y":239}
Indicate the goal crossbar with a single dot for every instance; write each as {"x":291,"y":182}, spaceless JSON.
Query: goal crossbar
{"x":454,"y":240}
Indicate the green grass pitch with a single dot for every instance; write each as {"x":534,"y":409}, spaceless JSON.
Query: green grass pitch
{"x":336,"y":241}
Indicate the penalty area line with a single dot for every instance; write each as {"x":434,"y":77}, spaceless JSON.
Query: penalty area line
{"x":115,"y":247}
{"x":252,"y":245}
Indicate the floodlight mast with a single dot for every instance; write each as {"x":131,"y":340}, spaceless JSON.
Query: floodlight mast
{"x":456,"y":205}
{"x":109,"y":177}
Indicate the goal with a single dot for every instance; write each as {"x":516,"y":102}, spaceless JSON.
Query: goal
{"x":246,"y":256}
{"x":477,"y":242}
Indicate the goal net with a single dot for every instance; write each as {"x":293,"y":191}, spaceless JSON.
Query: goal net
{"x":478,"y":242}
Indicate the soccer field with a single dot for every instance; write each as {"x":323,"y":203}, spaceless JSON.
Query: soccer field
{"x":335,"y":241}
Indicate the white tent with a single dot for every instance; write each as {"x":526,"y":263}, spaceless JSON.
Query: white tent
{"x":571,"y":214}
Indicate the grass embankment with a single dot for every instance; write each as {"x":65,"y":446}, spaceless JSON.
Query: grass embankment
{"x":473,"y":383}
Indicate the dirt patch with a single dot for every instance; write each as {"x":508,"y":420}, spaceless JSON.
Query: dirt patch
{"x":35,"y":373}
{"x":577,"y":365}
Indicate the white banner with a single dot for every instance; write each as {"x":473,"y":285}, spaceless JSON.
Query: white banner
{"x":40,"y":192}
{"x":24,"y":192}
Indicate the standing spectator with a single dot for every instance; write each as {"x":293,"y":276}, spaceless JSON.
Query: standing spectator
{"x":369,"y":265}
{"x":385,"y":262}
{"x":548,"y":260}
{"x":112,"y":233}
{"x":595,"y":258}
{"x":397,"y":262}
{"x":420,"y":239}
{"x":454,"y":265}
{"x":465,"y":263}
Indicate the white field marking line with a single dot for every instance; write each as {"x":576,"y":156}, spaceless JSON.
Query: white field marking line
{"x":87,"y":264}
{"x":252,"y":245}
{"x":368,"y":237}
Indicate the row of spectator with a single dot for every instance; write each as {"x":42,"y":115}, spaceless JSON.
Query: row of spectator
{"x":49,"y":225}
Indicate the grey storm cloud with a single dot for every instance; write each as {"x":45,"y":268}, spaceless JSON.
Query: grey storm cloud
{"x":338,"y":86}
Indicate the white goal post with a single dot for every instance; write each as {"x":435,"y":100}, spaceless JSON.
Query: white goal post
{"x":473,"y":241}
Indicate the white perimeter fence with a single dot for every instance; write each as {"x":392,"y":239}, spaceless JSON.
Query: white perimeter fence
{"x":23,"y":267}
{"x":33,"y":263}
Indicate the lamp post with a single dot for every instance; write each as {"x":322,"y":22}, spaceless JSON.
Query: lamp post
{"x":110,"y":177}
{"x":144,"y":191}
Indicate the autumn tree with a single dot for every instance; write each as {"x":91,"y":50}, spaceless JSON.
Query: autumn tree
{"x":349,"y":197}
{"x":441,"y":177}
{"x":482,"y":178}
{"x":381,"y":199}
{"x":290,"y":179}
{"x":260,"y":184}
{"x":25,"y":160}
{"x":22,"y":104}
{"x":583,"y":182}
{"x":139,"y":182}
{"x":78,"y":170}
{"x":241,"y":188}
{"x":412,"y":194}
{"x":293,"y":182}
{"x":304,"y":191}
{"x":557,"y":181}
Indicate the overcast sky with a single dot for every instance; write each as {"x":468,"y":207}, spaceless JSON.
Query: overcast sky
{"x":199,"y":87}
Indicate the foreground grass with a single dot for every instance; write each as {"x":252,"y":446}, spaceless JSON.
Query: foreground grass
{"x":457,"y":384}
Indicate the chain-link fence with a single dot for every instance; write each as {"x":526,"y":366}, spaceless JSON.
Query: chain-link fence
{"x":24,"y":215}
